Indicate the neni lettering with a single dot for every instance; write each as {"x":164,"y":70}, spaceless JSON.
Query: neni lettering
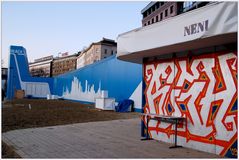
{"x":196,"y":28}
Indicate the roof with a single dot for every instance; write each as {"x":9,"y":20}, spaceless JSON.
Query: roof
{"x":148,"y":6}
{"x":211,"y":25}
{"x":65,"y":57}
{"x":40,"y":62}
{"x":44,"y":58}
{"x":104,"y":41}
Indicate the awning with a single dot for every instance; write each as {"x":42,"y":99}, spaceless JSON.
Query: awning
{"x":214,"y":24}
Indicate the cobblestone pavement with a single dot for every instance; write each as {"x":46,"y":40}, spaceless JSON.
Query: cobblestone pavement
{"x":108,"y":139}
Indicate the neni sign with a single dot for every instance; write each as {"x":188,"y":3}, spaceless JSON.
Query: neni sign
{"x":196,"y":28}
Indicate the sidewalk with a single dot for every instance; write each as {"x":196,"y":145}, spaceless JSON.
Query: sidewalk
{"x":109,"y":139}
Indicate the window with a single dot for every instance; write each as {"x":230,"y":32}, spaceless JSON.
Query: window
{"x":152,"y":20}
{"x":148,"y":22}
{"x":166,"y":12}
{"x":105,"y":51}
{"x":112,"y":52}
{"x":157,"y":5}
{"x":171,"y":9}
{"x":145,"y":24}
{"x":97,"y":50}
{"x":144,"y":14}
{"x":161,"y":16}
{"x":187,"y":4}
{"x":157,"y":18}
{"x":153,"y":9}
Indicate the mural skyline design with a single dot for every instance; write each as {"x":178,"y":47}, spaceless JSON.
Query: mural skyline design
{"x":76,"y":92}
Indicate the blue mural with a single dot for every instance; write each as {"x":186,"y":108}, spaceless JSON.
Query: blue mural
{"x":122,"y":80}
{"x":19,"y":77}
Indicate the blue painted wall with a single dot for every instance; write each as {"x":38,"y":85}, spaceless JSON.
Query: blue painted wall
{"x":18,"y":72}
{"x":119,"y":78}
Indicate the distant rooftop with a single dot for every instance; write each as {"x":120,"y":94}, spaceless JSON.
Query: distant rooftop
{"x":66,"y":56}
{"x":103,"y":41}
{"x":106,"y":40}
{"x":148,"y":6}
{"x":44,"y":58}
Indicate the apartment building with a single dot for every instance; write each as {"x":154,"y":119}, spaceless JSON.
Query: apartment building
{"x":157,"y":11}
{"x":41,"y":67}
{"x":63,"y":64}
{"x":97,"y":51}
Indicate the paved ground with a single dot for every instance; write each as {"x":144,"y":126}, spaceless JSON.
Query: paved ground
{"x":109,"y":139}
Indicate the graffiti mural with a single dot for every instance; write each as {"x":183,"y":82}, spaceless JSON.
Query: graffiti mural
{"x":204,"y":90}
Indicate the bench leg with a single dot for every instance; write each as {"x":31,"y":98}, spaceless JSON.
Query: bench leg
{"x":175,"y":139}
{"x":147,"y":133}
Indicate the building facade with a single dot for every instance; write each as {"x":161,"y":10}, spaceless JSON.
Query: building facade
{"x":158,"y":11}
{"x":97,"y":51}
{"x":80,"y":61}
{"x":63,"y":64}
{"x":41,"y":67}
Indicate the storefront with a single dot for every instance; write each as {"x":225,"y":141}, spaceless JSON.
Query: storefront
{"x":190,"y":70}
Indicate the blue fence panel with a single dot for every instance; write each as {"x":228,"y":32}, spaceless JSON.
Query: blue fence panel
{"x":119,"y":78}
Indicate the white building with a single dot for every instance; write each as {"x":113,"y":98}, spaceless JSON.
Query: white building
{"x":80,"y":61}
{"x":97,"y":51}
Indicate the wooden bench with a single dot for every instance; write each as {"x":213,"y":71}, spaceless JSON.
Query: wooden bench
{"x":163,"y":118}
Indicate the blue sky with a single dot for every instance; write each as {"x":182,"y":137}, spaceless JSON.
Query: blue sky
{"x":47,"y":28}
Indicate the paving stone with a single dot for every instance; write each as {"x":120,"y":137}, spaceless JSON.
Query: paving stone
{"x":109,"y":139}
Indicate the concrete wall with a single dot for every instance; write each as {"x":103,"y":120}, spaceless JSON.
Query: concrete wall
{"x":202,"y":89}
{"x":121,"y":79}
